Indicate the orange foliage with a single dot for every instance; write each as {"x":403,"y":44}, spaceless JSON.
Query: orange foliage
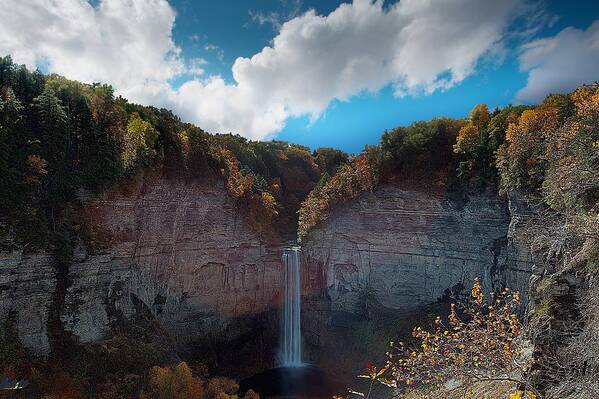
{"x":467,"y":139}
{"x":350,"y":180}
{"x":237,"y":184}
{"x":573,"y":150}
{"x":366,"y":174}
{"x":261,"y":207}
{"x":522,"y":160}
{"x":173,"y":383}
{"x":479,"y":116}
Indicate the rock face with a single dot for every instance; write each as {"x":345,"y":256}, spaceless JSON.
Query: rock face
{"x":179,"y":252}
{"x":396,"y":251}
{"x":183,"y":251}
{"x":405,"y":249}
{"x":180,"y":255}
{"x":26,"y":286}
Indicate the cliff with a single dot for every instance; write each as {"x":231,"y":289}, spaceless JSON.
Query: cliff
{"x":179,"y":255}
{"x":403,"y":249}
{"x":390,"y":256}
{"x":176,"y":252}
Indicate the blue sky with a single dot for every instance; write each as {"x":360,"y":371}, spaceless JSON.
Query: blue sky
{"x":352,"y":124}
{"x":337,"y":81}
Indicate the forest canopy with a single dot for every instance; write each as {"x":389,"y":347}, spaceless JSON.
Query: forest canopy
{"x":59,"y":137}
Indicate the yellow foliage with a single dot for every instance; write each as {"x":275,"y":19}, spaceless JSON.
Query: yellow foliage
{"x":467,"y":139}
{"x":174,"y":383}
{"x":520,"y":394}
{"x":478,"y":348}
{"x":139,"y":138}
{"x":479,"y":116}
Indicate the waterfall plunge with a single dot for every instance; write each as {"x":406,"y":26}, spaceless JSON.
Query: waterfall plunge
{"x":291,"y":332}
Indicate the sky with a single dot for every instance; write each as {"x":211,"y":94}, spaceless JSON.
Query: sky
{"x":319,"y":73}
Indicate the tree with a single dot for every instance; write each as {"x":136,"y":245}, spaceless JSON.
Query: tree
{"x":10,"y":142}
{"x":138,"y":143}
{"x":479,"y":116}
{"x":53,"y":135}
{"x":477,"y":343}
{"x":573,"y":174}
{"x":521,"y":159}
{"x":329,"y":159}
{"x":173,"y":383}
{"x":100,"y":146}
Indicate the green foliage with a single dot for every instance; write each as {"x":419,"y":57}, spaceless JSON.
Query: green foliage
{"x":330,"y":159}
{"x":422,"y":144}
{"x":138,"y":143}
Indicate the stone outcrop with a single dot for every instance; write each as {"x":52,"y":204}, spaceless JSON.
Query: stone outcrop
{"x":389,"y":258}
{"x":183,"y":251}
{"x":27,"y":283}
{"x":177,"y":251}
{"x":404,"y":249}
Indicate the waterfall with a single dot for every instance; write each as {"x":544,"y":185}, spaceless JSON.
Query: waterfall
{"x":291,"y":331}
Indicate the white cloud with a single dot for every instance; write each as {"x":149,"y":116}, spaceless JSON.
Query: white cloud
{"x":126,"y":43}
{"x":195,"y":66}
{"x":560,"y":63}
{"x":219,"y":52}
{"x":418,"y":46}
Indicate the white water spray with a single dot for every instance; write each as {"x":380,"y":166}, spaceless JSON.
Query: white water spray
{"x":291,"y":332}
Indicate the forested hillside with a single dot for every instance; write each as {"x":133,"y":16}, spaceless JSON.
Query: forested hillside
{"x":59,"y":137}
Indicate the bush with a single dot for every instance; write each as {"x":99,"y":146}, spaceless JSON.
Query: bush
{"x":477,"y":343}
{"x":173,"y":383}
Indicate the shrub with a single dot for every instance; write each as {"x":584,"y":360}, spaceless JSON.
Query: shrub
{"x":173,"y":383}
{"x":221,"y":388}
{"x":478,"y":342}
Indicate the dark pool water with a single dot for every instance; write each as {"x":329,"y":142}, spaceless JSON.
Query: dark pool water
{"x":292,"y":382}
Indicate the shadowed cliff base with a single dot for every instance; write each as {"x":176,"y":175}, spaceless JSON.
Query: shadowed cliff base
{"x":293,"y":382}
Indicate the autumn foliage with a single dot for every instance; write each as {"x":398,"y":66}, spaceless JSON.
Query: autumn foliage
{"x":351,"y":179}
{"x":479,"y":341}
{"x":173,"y":383}
{"x":178,"y":382}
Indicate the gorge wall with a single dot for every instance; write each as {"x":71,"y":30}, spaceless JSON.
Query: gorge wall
{"x":180,"y":255}
{"x":386,"y":257}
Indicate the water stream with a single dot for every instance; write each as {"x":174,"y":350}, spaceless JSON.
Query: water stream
{"x":291,"y":331}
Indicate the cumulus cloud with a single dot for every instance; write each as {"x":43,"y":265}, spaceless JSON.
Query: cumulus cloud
{"x":560,"y":63}
{"x":417,"y":46}
{"x":291,"y":9}
{"x":126,"y":43}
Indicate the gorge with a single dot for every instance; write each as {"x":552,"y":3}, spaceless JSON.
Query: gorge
{"x":180,"y":254}
{"x":134,"y":246}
